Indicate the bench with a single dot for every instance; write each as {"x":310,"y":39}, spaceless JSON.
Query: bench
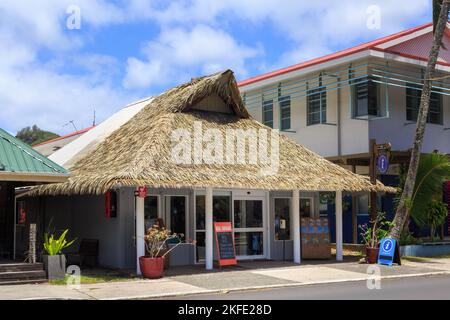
{"x":87,"y":254}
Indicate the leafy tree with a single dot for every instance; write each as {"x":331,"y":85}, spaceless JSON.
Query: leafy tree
{"x":34,"y":135}
{"x":433,"y":170}
{"x":436,"y":216}
{"x":403,"y":212}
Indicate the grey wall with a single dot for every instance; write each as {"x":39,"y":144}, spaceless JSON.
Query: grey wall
{"x":84,"y":216}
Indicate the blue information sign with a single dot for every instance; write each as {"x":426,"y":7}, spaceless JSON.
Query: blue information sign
{"x":383,"y":163}
{"x":387,"y":251}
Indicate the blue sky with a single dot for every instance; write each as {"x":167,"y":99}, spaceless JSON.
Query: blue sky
{"x":125,"y":50}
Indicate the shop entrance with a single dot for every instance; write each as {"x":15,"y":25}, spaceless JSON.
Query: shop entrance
{"x":249,"y":222}
{"x":6,"y":221}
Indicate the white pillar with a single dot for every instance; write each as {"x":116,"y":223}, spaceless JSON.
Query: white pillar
{"x":339,"y":227}
{"x":209,"y":243}
{"x":140,"y":231}
{"x":296,"y":225}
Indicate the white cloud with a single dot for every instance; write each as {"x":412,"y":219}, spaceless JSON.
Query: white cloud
{"x":178,"y":51}
{"x":313,"y":27}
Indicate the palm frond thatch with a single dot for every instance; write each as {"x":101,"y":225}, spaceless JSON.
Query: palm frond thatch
{"x":139,"y":152}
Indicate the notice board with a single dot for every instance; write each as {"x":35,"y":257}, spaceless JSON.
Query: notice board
{"x":226,"y":252}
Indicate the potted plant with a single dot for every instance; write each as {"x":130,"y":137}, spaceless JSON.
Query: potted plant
{"x":373,"y":234}
{"x":54,"y":260}
{"x":156,"y":249}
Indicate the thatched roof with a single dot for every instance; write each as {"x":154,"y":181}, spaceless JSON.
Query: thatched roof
{"x":140,"y":151}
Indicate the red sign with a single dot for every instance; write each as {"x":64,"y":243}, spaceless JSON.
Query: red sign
{"x":142,"y":192}
{"x":226,"y":251}
{"x":22,"y":216}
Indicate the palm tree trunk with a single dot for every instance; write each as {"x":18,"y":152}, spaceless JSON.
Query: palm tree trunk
{"x":402,"y":213}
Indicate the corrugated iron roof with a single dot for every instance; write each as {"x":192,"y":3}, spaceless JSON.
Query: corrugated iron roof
{"x":371,"y":45}
{"x":18,"y":157}
{"x":419,"y":48}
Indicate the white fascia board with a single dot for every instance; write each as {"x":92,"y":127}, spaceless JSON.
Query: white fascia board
{"x":399,"y":58}
{"x":301,"y":72}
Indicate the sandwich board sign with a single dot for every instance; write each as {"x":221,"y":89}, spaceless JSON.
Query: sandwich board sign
{"x":389,"y":252}
{"x":226,"y":252}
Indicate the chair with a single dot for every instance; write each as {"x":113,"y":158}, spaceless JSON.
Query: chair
{"x":87,"y":254}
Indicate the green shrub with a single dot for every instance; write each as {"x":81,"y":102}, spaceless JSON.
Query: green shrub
{"x":54,"y":246}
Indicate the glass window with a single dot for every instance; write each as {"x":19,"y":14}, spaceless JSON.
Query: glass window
{"x":200,"y":212}
{"x":305,"y":207}
{"x":282,"y":219}
{"x":221,"y":210}
{"x":200,"y":245}
{"x":248,"y":214}
{"x":150,"y":211}
{"x":365,"y":98}
{"x":249,"y":243}
{"x":323,"y":204}
{"x":178,"y":215}
{"x":221,"y":213}
{"x":268,"y":113}
{"x":285,"y":112}
{"x":317,"y":106}
{"x":363,"y":204}
{"x":413,"y":96}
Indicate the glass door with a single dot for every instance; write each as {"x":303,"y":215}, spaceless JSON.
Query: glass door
{"x":249,"y":224}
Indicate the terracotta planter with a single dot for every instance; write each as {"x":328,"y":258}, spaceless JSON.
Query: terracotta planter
{"x":372,"y":255}
{"x":151,"y":268}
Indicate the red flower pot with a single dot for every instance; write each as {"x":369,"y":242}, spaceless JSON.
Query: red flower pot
{"x":151,"y":268}
{"x":372,"y":255}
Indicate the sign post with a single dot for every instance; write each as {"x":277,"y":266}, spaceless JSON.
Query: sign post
{"x":389,"y":252}
{"x":226,"y":252}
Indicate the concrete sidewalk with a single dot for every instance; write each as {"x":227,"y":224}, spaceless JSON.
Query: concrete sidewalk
{"x":248,"y":276}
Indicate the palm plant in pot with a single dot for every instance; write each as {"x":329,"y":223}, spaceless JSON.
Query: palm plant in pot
{"x":55,"y":260}
{"x":156,"y":241}
{"x":372,"y":235}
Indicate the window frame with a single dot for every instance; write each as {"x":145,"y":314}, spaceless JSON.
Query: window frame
{"x":265,"y":104}
{"x":317,"y":94}
{"x":373,"y":94}
{"x":414,"y":91}
{"x":284,"y":102}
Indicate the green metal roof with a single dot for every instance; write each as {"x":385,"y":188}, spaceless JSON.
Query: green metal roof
{"x":16,"y":156}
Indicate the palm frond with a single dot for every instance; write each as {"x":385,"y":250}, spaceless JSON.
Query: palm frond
{"x":433,"y":170}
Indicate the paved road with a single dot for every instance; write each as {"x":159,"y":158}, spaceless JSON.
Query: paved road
{"x":430,"y":287}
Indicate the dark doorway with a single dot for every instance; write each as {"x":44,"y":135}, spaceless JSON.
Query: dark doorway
{"x":6,"y":220}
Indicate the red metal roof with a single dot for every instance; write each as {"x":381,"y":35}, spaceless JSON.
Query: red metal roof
{"x":65,"y":137}
{"x":336,"y":55}
{"x":420,"y":46}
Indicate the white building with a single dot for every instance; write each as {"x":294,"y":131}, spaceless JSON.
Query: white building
{"x":335,"y":104}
